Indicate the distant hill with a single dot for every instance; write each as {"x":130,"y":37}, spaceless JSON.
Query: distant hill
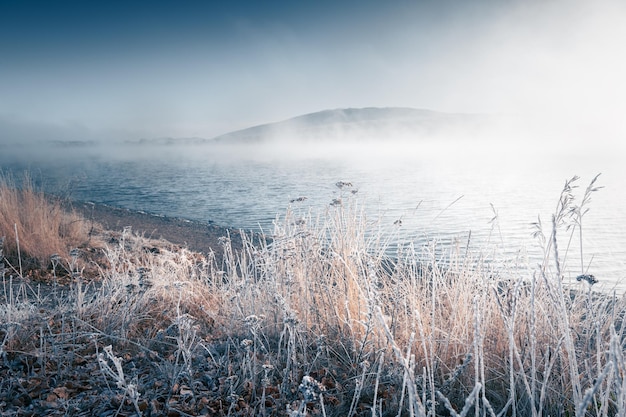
{"x":371,"y":123}
{"x":166,"y":141}
{"x":356,"y":124}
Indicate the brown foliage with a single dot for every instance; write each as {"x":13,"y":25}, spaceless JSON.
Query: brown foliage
{"x":36,"y":226}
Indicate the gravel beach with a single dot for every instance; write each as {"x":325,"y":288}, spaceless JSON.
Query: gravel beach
{"x":196,"y":236}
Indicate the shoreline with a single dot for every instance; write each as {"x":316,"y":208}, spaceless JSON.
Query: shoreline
{"x":194,"y":235}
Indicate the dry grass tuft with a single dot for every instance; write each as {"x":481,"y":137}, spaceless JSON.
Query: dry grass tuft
{"x":35,"y":226}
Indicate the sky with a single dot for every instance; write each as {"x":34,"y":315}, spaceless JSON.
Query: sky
{"x":122,"y":69}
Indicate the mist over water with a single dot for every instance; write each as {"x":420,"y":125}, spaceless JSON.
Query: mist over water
{"x":79,"y":82}
{"x":457,"y":191}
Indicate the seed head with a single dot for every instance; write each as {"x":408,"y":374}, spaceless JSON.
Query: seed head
{"x":310,"y":388}
{"x":587,"y":277}
{"x":336,"y":202}
{"x":253,"y":321}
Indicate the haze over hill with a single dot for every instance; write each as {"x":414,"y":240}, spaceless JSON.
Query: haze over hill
{"x":370,"y":123}
{"x":361,"y":124}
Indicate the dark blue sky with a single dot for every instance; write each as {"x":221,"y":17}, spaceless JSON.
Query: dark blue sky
{"x":200,"y":69}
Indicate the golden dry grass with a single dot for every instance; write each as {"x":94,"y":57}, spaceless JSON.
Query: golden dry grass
{"x":37,"y":226}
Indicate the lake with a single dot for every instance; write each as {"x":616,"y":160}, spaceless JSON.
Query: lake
{"x":444,"y":192}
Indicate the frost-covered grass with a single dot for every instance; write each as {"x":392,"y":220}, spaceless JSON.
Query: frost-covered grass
{"x":318,"y":320}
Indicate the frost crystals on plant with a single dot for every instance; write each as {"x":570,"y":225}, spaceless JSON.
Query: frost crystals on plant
{"x":587,"y":277}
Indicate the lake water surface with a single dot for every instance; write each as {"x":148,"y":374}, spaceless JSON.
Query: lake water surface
{"x":447,"y":193}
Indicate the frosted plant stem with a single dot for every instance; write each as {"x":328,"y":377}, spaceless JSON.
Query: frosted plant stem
{"x":380,"y":368}
{"x":478,"y":371}
{"x":19,"y":256}
{"x":580,"y":243}
{"x":569,"y":344}
{"x":533,"y":346}
{"x":431,"y":342}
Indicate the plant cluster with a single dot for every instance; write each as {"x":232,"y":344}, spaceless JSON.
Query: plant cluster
{"x":35,"y":226}
{"x":319,"y":320}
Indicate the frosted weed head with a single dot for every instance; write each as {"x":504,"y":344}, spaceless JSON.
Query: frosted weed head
{"x":336,"y":202}
{"x":310,"y":388}
{"x":591,"y":279}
